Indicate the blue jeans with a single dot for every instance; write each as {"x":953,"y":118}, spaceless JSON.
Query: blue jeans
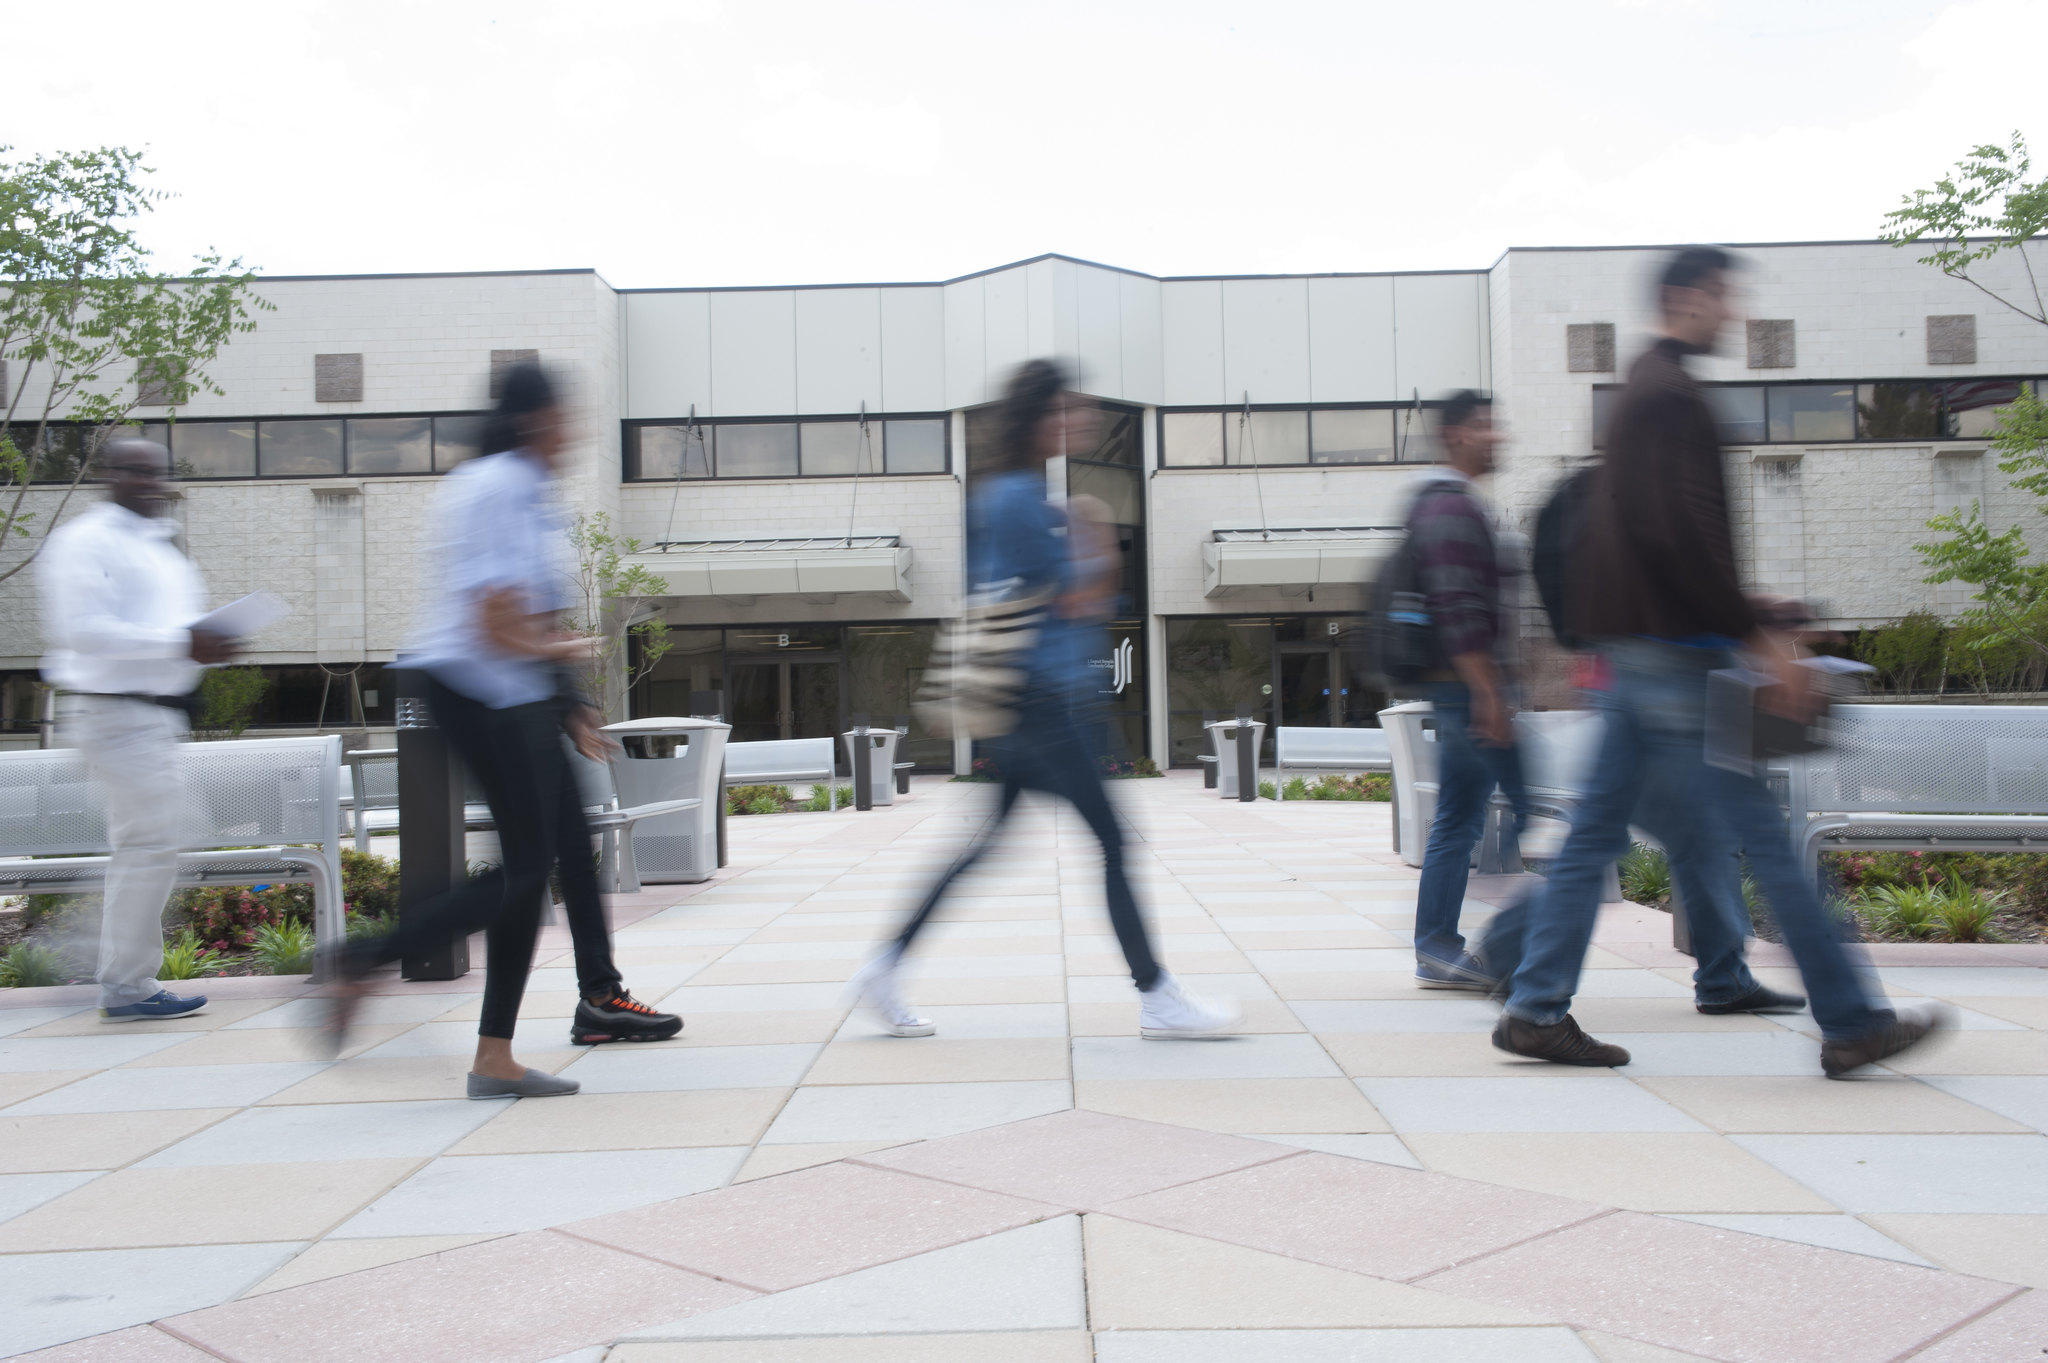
{"x":1466,"y":776}
{"x":1652,"y":758}
{"x":1051,"y":752}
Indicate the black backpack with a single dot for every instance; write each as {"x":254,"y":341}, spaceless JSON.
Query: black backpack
{"x":1399,"y":637}
{"x":1558,"y":527}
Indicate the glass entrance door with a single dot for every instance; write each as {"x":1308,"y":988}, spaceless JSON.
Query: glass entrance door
{"x":774,"y":698}
{"x":1308,"y":697}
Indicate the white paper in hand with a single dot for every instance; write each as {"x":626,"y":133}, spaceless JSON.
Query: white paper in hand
{"x":240,"y":619}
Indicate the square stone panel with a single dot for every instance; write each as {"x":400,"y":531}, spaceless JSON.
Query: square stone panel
{"x":776,"y":1233}
{"x":1350,"y":1214}
{"x":1952,"y":339}
{"x":1745,"y":1299}
{"x":1078,"y":1159}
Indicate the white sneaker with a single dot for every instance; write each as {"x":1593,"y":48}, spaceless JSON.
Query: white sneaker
{"x":1166,"y":1011}
{"x":877,"y":985}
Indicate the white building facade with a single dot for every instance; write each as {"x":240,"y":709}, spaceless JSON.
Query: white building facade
{"x":796,"y":462}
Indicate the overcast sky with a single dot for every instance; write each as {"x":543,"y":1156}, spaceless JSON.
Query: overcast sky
{"x":754,"y":142}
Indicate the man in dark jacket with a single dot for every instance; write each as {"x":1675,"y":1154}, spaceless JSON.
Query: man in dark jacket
{"x":1459,"y":569}
{"x":1654,"y":581}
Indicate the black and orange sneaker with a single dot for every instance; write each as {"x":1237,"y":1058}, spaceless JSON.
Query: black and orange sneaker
{"x":620,"y":1018}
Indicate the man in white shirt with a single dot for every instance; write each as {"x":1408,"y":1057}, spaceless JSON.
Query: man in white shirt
{"x":118,"y":602}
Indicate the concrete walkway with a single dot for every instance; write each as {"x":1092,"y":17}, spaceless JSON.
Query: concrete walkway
{"x":1360,"y":1177}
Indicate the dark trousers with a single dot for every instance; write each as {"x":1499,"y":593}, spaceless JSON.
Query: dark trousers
{"x":1048,"y":753}
{"x":517,"y":756}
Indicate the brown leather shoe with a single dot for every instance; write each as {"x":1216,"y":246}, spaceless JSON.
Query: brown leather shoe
{"x":1563,"y":1042}
{"x":1888,"y":1038}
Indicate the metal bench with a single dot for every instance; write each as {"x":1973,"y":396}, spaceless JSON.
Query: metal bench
{"x":257,"y":811}
{"x":374,"y":804}
{"x":1325,"y":749}
{"x":780,"y":760}
{"x":1965,"y":778}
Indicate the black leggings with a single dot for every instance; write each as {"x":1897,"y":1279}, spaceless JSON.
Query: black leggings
{"x":1048,"y":753}
{"x":518,"y":758}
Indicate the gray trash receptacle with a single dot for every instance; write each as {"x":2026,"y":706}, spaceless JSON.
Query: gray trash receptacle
{"x":1411,"y":743}
{"x":1223,"y":738}
{"x":881,"y":761}
{"x":672,"y":758}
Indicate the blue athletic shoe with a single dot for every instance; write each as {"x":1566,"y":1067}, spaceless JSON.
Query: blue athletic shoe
{"x":1465,"y":973}
{"x":162,"y":1004}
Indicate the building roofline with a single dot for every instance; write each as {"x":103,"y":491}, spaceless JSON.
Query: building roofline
{"x":428,"y":274}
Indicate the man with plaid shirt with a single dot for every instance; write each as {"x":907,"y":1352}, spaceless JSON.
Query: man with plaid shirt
{"x":1466,"y":588}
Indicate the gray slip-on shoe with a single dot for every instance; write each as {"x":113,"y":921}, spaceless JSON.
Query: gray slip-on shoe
{"x":532,"y":1084}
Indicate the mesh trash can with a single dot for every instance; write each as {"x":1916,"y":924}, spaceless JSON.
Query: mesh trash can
{"x":881,"y":762}
{"x":1223,"y":740}
{"x":1411,"y":743}
{"x":672,"y":758}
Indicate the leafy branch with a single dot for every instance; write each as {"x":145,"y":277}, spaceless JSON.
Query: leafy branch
{"x":1981,"y":209}
{"x":88,"y":330}
{"x":610,"y":592}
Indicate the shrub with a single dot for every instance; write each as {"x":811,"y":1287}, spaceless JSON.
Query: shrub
{"x":369,"y":883}
{"x":29,"y":966}
{"x":1266,"y":790}
{"x":1295,"y":789}
{"x":1967,"y":917}
{"x":820,"y":799}
{"x":362,"y":927}
{"x":228,"y":697}
{"x":1369,"y":785}
{"x":1645,"y":874}
{"x":284,"y":948}
{"x":1124,"y":769}
{"x":1912,"y":912}
{"x":186,"y":958}
{"x":756,"y":799}
{"x":226,"y":918}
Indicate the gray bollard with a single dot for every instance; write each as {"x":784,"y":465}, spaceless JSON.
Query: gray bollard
{"x":432,"y":854}
{"x":863,"y":768}
{"x":1247,"y":762}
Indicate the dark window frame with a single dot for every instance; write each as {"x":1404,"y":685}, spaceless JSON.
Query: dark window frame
{"x":629,"y":446}
{"x":1425,"y":409}
{"x":1856,"y":386}
{"x":257,"y":423}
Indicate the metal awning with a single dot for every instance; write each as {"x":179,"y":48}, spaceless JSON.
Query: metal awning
{"x":1294,"y":557}
{"x":818,"y":566}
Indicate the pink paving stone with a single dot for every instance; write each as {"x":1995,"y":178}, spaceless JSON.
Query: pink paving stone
{"x":2026,"y":953}
{"x":1723,"y":1294}
{"x":2017,"y":1330}
{"x":517,"y":1300}
{"x":1076,"y":1159}
{"x":776,"y":1233}
{"x":1351,"y":1214}
{"x":142,"y":1344}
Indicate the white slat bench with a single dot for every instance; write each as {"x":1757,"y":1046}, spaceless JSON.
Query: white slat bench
{"x":778,"y":761}
{"x":1310,"y":749}
{"x":257,"y":811}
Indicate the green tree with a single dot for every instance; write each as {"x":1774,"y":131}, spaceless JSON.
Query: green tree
{"x":1982,"y":209}
{"x":228,"y":697}
{"x":610,"y":592}
{"x":88,"y":329}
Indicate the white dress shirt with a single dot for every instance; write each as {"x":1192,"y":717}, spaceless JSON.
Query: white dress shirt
{"x":496,"y":525}
{"x":118,"y":604}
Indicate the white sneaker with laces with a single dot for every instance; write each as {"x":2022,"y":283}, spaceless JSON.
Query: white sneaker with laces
{"x":877,"y":985}
{"x":1167,"y":1011}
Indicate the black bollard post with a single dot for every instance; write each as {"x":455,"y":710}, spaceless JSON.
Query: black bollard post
{"x":431,"y":852}
{"x":1247,"y":757}
{"x":863,"y":765}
